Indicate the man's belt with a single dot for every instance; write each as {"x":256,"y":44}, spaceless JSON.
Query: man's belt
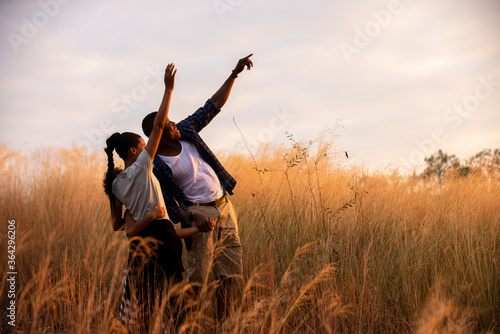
{"x":214,"y":204}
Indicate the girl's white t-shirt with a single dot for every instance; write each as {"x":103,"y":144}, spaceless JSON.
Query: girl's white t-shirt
{"x":138,"y":189}
{"x":193,"y":175}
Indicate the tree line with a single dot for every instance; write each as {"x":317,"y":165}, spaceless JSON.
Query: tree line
{"x":440,"y":163}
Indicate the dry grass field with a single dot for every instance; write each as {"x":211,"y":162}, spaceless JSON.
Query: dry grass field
{"x":327,"y":248}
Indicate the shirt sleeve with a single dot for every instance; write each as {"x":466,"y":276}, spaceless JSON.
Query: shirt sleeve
{"x":201,"y":117}
{"x":144,"y":161}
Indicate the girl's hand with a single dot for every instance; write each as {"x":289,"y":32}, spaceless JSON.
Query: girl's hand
{"x":169,"y":78}
{"x":158,"y":211}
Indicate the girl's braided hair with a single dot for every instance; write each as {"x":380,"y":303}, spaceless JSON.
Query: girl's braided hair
{"x":121,"y":143}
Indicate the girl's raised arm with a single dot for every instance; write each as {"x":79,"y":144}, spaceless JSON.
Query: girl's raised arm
{"x":162,"y":115}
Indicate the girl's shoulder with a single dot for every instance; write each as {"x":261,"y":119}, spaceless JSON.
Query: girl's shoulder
{"x":144,"y":160}
{"x":143,"y":164}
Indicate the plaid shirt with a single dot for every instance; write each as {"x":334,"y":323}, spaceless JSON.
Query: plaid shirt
{"x":175,"y":199}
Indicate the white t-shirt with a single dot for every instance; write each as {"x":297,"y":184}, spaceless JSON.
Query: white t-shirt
{"x":193,"y":175}
{"x":137,"y":187}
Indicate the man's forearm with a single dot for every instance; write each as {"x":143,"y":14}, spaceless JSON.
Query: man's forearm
{"x":220,"y":97}
{"x":203,"y":223}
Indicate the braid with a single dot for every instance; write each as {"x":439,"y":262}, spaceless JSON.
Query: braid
{"x":111,"y":171}
{"x":121,"y":143}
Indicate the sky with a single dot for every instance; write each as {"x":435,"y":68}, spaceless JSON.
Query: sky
{"x":393,"y":81}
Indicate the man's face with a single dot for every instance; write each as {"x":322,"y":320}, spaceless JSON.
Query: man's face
{"x":170,"y":131}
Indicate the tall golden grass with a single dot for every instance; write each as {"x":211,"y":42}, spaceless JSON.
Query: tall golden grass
{"x":327,"y":248}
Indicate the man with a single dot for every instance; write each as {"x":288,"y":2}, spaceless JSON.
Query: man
{"x":195,"y":186}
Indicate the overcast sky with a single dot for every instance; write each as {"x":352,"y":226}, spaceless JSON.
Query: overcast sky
{"x":405,"y":78}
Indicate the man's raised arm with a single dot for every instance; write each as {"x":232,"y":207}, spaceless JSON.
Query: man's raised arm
{"x":220,"y":97}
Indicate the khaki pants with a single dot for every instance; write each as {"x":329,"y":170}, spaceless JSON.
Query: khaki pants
{"x":216,"y":253}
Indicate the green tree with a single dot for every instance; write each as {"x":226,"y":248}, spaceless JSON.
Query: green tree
{"x":487,"y":161}
{"x":441,"y":163}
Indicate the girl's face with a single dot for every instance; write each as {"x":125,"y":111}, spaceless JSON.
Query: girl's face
{"x":134,"y":151}
{"x":141,"y":146}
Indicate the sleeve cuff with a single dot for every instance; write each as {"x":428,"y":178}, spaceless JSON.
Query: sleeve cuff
{"x":210,"y":106}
